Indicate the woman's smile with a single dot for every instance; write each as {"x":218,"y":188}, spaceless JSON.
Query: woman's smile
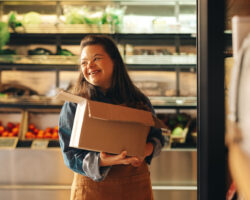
{"x":94,"y":72}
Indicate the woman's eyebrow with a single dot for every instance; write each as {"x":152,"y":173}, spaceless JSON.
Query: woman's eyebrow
{"x":93,"y":56}
{"x":98,"y":55}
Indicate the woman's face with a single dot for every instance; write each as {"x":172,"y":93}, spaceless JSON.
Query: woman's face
{"x":97,"y":66}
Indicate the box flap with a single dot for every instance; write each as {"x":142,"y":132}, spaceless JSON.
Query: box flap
{"x":77,"y":126}
{"x":105,"y":111}
{"x":65,"y":96}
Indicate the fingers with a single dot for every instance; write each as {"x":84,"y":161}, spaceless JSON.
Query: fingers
{"x":122,"y":155}
{"x":129,"y":160}
{"x":109,"y":159}
{"x":136,"y":162}
{"x":103,"y":155}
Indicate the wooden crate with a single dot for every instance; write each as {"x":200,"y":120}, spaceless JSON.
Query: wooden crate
{"x":41,"y":119}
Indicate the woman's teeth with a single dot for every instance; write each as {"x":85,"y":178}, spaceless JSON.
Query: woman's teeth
{"x":94,"y":72}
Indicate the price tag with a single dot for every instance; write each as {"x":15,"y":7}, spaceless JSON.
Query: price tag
{"x":8,"y":142}
{"x":39,"y":144}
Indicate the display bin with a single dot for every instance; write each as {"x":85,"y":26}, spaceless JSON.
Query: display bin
{"x":155,"y":83}
{"x":182,"y":137}
{"x":40,"y":124}
{"x":173,"y":121}
{"x":11,"y":120}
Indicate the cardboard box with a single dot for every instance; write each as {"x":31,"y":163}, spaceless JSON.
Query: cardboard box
{"x":109,"y":128}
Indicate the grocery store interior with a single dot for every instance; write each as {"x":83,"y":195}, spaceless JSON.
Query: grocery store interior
{"x":179,"y":53}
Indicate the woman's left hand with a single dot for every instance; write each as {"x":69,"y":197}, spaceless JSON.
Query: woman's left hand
{"x":148,"y":151}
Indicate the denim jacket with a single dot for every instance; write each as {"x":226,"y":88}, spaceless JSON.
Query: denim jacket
{"x":86,"y":162}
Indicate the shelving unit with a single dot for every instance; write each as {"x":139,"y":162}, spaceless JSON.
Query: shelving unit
{"x":134,"y":63}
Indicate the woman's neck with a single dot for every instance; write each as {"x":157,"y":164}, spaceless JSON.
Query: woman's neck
{"x":102,"y":90}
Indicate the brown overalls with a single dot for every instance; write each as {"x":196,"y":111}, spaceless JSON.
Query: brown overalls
{"x":124,"y":182}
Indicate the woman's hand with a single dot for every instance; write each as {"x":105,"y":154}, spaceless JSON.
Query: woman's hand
{"x":108,"y":160}
{"x":148,"y":151}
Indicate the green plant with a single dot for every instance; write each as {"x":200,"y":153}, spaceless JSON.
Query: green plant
{"x":13,"y":22}
{"x":4,"y":34}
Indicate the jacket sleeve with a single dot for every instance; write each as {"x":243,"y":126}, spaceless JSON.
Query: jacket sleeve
{"x":81,"y":161}
{"x":155,"y":137}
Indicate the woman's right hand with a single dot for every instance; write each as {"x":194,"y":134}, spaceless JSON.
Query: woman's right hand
{"x":120,"y":159}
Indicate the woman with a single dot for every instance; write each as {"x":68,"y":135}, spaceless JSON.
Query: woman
{"x":99,"y":175}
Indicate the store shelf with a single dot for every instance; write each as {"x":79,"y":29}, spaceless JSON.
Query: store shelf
{"x":39,"y":62}
{"x":174,"y":102}
{"x":75,"y":38}
{"x":100,"y":29}
{"x":161,"y":59}
{"x":191,"y":149}
{"x":157,"y":102}
{"x":60,"y":28}
{"x":63,"y":67}
{"x":39,"y":67}
{"x":169,"y":187}
{"x":161,"y":67}
{"x":128,"y":2}
{"x":29,"y":103}
{"x":70,"y":63}
{"x":28,"y":144}
{"x":43,"y":60}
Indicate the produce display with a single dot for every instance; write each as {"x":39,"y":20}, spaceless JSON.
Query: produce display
{"x":28,"y":18}
{"x":74,"y":18}
{"x":32,"y":18}
{"x":10,"y":130}
{"x":35,"y":133}
{"x":89,"y":15}
{"x":16,"y":90}
{"x":72,"y":15}
{"x":183,"y":129}
{"x":176,"y":122}
{"x":145,"y":51}
{"x":8,"y":52}
{"x":43,"y":51}
{"x":92,"y":16}
{"x":63,"y":52}
{"x":40,"y":51}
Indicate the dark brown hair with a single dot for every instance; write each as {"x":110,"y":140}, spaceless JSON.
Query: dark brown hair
{"x":122,"y":90}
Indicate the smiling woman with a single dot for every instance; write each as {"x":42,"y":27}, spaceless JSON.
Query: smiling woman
{"x":98,"y":175}
{"x":102,"y":68}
